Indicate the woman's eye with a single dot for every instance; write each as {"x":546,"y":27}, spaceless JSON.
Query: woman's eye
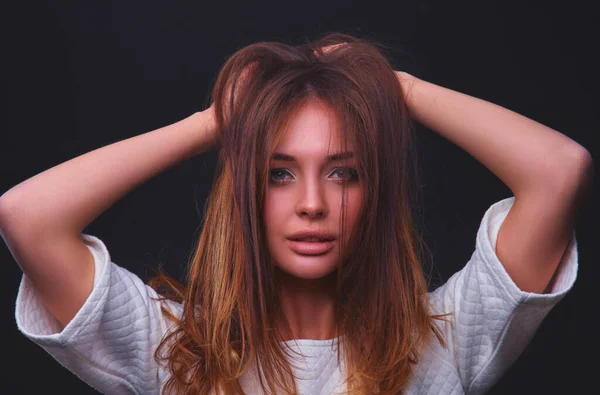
{"x":278,"y":175}
{"x":347,"y":173}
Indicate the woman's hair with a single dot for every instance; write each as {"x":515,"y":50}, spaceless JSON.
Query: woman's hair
{"x":232,"y":302}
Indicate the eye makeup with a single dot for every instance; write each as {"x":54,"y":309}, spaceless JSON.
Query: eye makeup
{"x":278,"y":175}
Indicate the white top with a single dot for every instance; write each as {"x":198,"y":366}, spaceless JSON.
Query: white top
{"x":109,"y":343}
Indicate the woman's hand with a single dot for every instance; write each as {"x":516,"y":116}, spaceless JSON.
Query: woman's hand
{"x":209,"y":118}
{"x":329,"y":48}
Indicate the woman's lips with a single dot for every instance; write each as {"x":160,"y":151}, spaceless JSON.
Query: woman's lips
{"x":310,"y":247}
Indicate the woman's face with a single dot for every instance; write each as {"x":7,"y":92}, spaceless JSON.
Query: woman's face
{"x":304,"y":193}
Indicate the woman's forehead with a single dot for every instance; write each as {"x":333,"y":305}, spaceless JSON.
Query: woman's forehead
{"x":314,"y":128}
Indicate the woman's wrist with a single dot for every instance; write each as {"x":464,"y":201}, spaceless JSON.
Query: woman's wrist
{"x":207,"y":128}
{"x":406,"y":81}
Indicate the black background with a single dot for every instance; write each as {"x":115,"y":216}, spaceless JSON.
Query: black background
{"x":81,"y":75}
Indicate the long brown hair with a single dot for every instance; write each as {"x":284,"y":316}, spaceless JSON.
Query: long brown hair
{"x":231,"y":301}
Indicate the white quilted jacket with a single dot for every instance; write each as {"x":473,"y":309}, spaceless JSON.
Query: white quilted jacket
{"x":110,"y":342}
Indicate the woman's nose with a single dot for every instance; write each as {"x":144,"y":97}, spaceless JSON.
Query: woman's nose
{"x":312,"y":202}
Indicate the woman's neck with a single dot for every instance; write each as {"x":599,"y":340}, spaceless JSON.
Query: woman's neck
{"x":307,"y":307}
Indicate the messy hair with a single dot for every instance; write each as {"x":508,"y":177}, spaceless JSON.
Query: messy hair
{"x":231,"y":300}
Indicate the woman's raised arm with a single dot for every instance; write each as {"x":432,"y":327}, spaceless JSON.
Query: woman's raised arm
{"x":41,"y":218}
{"x":66,"y":198}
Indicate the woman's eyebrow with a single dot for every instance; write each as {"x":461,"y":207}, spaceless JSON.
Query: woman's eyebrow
{"x":337,"y":156}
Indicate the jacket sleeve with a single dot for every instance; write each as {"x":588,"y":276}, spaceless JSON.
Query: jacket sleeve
{"x":110,"y":342}
{"x":493,"y":320}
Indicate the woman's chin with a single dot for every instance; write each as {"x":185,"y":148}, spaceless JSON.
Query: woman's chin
{"x":308,"y":268}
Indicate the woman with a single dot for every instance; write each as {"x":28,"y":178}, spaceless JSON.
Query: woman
{"x":307,"y":276}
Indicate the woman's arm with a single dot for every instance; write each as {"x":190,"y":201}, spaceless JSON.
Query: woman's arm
{"x":523,"y":153}
{"x":69,"y":196}
{"x":41,"y":219}
{"x":548,"y":173}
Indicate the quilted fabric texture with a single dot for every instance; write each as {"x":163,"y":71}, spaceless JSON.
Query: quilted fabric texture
{"x":109,"y":344}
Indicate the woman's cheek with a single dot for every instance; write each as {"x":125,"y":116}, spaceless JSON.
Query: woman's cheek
{"x":275,"y":213}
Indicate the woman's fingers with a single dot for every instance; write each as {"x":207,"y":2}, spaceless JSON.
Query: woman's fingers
{"x":329,"y":48}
